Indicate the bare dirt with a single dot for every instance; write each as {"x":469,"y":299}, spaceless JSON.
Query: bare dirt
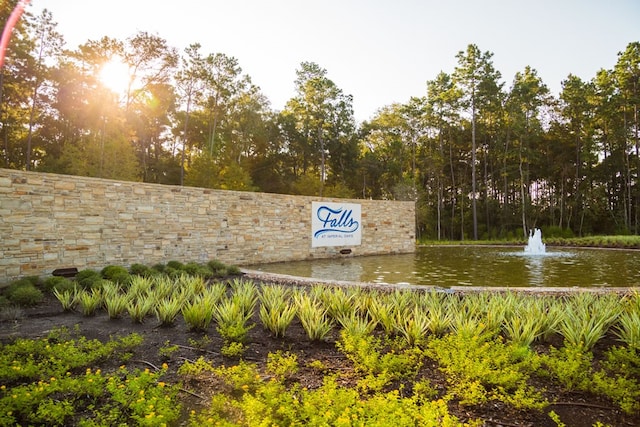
{"x":576,"y":409}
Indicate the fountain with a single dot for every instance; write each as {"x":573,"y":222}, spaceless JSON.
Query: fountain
{"x":535,"y":245}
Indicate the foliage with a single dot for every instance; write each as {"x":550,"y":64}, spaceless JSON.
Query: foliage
{"x":313,"y":317}
{"x":198,"y":314}
{"x":59,"y":283}
{"x":572,"y":367}
{"x":68,"y":299}
{"x":479,"y":369}
{"x":89,"y":301}
{"x":276,"y":313}
{"x":232,"y":317}
{"x":88,"y":278}
{"x":258,"y":402}
{"x":378,"y":366}
{"x":139,"y":308}
{"x":414,"y":327}
{"x":167,"y":310}
{"x":484,"y":350}
{"x":282,"y":365}
{"x":31,"y":360}
{"x":116,"y":303}
{"x":628,"y":325}
{"x":24,"y":294}
{"x":50,"y":381}
{"x":587,"y":318}
{"x":114,"y":272}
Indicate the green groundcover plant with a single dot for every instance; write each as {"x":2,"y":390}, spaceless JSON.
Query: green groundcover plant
{"x":50,"y":381}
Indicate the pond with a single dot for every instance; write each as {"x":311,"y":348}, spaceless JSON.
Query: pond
{"x":448,"y":266}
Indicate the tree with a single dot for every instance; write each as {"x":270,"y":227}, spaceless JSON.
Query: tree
{"x":526,"y":98}
{"x":577,"y":112}
{"x":322,"y":116}
{"x":627,"y":74}
{"x":189,"y":82}
{"x":443,"y":98}
{"x":16,"y":89}
{"x":48,"y":46}
{"x":387,"y":158}
{"x":479,"y":81}
{"x":227,"y":121}
{"x":91,"y":121}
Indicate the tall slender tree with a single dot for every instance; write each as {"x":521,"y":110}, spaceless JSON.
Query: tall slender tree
{"x":627,"y":72}
{"x":478,"y":79}
{"x":526,"y":98}
{"x":443,"y":98}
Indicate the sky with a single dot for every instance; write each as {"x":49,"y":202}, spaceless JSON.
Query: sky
{"x":378,"y":51}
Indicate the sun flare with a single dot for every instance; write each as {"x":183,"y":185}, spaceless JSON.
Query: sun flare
{"x":115,"y":75}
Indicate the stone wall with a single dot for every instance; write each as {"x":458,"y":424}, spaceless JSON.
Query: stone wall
{"x":50,"y":221}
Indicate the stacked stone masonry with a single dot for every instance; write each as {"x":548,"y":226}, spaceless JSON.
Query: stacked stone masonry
{"x":50,"y":221}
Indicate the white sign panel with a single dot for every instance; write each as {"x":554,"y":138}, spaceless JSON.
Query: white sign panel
{"x":335,"y":224}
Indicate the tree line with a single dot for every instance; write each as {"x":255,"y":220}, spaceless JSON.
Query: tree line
{"x":480,"y":160}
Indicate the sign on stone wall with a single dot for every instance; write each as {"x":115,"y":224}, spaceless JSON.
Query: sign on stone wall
{"x":335,"y":224}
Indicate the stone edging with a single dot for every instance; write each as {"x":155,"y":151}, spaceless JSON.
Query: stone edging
{"x":286,"y":279}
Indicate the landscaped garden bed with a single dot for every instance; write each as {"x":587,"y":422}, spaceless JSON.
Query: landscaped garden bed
{"x":210,"y":347}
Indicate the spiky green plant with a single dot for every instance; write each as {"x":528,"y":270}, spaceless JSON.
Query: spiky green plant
{"x":439,"y":309}
{"x":525,"y":322}
{"x":357,"y":324}
{"x":276,"y":313}
{"x":553,"y":309}
{"x":68,"y":298}
{"x":587,"y":318}
{"x":110,"y":288}
{"x":313,"y":317}
{"x":440,"y":318}
{"x":198,"y":314}
{"x":277,"y":319}
{"x":628,"y":328}
{"x":193,"y":286}
{"x":522,"y":330}
{"x":274,"y":295}
{"x":139,"y":308}
{"x":163,"y":287}
{"x":472,"y":305}
{"x":339,"y":303}
{"x":245,"y":294}
{"x":470,"y":326}
{"x":140,"y":286}
{"x":167,"y":310}
{"x":229,"y":310}
{"x":414,"y":327}
{"x":232,"y":320}
{"x":89,"y":301}
{"x":116,"y":303}
{"x":382,"y":311}
{"x":317,"y":292}
{"x":185,"y":294}
{"x":402,"y":301}
{"x":497,"y":307}
{"x":361,"y":298}
{"x":215,"y":292}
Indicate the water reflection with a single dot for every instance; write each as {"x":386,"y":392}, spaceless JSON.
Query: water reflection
{"x":535,"y":266}
{"x":447,"y":266}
